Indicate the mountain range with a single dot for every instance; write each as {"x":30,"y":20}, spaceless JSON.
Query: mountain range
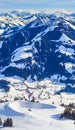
{"x":35,"y":46}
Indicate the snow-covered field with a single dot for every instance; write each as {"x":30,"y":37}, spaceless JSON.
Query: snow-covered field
{"x":35,"y":116}
{"x":28,"y":115}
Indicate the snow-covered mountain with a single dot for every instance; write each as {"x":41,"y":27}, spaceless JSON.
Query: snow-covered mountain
{"x":37,"y":48}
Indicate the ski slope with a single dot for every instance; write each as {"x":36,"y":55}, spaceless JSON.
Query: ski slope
{"x":34,"y":116}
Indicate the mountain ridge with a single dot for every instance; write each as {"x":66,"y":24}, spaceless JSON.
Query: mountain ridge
{"x":42,"y":47}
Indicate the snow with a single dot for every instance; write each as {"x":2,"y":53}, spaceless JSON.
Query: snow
{"x":71,"y":25}
{"x":69,"y":67}
{"x":23,"y":56}
{"x":19,"y":65}
{"x":63,"y":78}
{"x":2,"y":25}
{"x":3,"y":69}
{"x":33,"y":61}
{"x":65,"y":39}
{"x":66,"y":51}
{"x":1,"y":31}
{"x":1,"y":42}
{"x":68,"y":98}
{"x":34,"y":116}
{"x":35,"y":77}
{"x":35,"y":50}
{"x":55,"y":77}
{"x":29,"y":78}
{"x":21,"y":53}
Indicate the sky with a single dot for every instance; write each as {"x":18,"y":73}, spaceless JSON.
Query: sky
{"x":37,"y":4}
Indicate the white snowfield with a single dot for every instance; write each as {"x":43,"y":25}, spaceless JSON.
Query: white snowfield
{"x":34,"y":116}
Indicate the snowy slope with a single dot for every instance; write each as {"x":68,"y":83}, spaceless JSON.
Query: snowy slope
{"x":41,"y":116}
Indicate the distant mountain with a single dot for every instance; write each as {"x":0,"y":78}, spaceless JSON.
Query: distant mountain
{"x":36,"y":46}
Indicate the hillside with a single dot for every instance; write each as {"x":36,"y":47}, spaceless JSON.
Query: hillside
{"x":37,"y":51}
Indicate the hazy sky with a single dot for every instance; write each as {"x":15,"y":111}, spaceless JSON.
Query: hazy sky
{"x":37,"y":4}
